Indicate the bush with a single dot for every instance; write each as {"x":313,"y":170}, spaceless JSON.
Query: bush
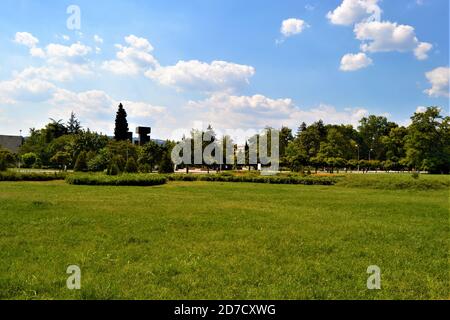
{"x":113,"y":170}
{"x":395,"y":182}
{"x":309,"y":180}
{"x":81,"y":163}
{"x":3,"y":164}
{"x":122,"y":180}
{"x":30,"y":176}
{"x":131,"y":166}
{"x":166,"y":165}
{"x":29,"y":159}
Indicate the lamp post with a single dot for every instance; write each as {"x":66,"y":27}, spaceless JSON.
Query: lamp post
{"x":357,"y":146}
{"x":22,"y":143}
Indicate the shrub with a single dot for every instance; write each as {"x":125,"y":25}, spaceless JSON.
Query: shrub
{"x":122,"y":180}
{"x":30,"y":176}
{"x":97,"y":164}
{"x":29,"y":159}
{"x":395,"y":182}
{"x":131,"y":166}
{"x":81,"y":163}
{"x":3,"y":164}
{"x":166,"y":165}
{"x":415,"y":175}
{"x":309,"y":180}
{"x":113,"y":169}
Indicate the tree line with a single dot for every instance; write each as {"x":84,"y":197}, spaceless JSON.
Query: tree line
{"x":376,"y":144}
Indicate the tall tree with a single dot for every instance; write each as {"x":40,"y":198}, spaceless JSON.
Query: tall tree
{"x":372,"y":130}
{"x":121,"y":129}
{"x":428,"y":141}
{"x":73,"y":125}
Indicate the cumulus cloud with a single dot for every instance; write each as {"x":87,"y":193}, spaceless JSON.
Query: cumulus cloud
{"x":25,"y":90}
{"x":98,"y":39}
{"x":75,"y":53}
{"x":292,"y":26}
{"x":96,"y":108}
{"x":389,"y":36}
{"x":353,"y":62}
{"x":132,"y":59}
{"x":353,"y":11}
{"x":26,"y":39}
{"x":207,"y":77}
{"x":439,"y":80}
{"x":226,"y":111}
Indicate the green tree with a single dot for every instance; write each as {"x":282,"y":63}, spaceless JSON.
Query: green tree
{"x":286,"y":138}
{"x":150,"y":155}
{"x":61,"y":159}
{"x":166,"y":165}
{"x":121,"y":129}
{"x":428,"y":141}
{"x":6,"y":159}
{"x":394,"y":145}
{"x":372,"y":130}
{"x":81,"y":163}
{"x":131,"y":166}
{"x":29,"y":159}
{"x":73,"y":125}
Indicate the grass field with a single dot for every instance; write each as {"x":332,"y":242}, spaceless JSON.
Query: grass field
{"x":212,"y":240}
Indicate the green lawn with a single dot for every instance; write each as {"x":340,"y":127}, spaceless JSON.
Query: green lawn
{"x":204,"y":240}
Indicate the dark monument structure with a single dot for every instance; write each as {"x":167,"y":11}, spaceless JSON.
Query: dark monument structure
{"x":11,"y":143}
{"x":144,"y":135}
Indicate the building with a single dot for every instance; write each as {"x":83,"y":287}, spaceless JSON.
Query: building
{"x":11,"y":143}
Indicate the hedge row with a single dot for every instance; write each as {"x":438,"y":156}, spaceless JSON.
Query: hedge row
{"x":120,"y":180}
{"x":396,"y":182}
{"x":30,"y":176}
{"x":307,"y":180}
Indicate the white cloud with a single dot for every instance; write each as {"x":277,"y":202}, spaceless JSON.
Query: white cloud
{"x":58,"y":73}
{"x":353,"y":11}
{"x":421,"y":52}
{"x":28,"y":90}
{"x":37,"y":52}
{"x":388,"y":36}
{"x":98,"y":39}
{"x":207,"y":77}
{"x":26,"y":39}
{"x":439,"y":80}
{"x":225,"y":111}
{"x":75,"y":53}
{"x":353,"y":62}
{"x":421,"y":109}
{"x":132,"y":59}
{"x":96,"y":109}
{"x":292,"y":26}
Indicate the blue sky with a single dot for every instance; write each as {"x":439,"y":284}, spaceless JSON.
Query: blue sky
{"x":235,"y":64}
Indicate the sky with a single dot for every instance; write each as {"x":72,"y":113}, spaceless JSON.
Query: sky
{"x":237,"y":65}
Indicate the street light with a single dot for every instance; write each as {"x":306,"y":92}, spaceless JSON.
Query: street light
{"x":357,"y":146}
{"x":21,"y":144}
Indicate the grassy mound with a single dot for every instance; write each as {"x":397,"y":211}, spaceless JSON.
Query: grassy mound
{"x":31,"y":176}
{"x":395,"y":182}
{"x":120,"y":180}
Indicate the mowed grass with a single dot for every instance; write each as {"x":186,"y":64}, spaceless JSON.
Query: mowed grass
{"x":211,"y":240}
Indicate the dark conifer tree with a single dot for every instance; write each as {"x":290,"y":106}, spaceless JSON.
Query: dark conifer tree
{"x":121,"y":130}
{"x":73,"y":125}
